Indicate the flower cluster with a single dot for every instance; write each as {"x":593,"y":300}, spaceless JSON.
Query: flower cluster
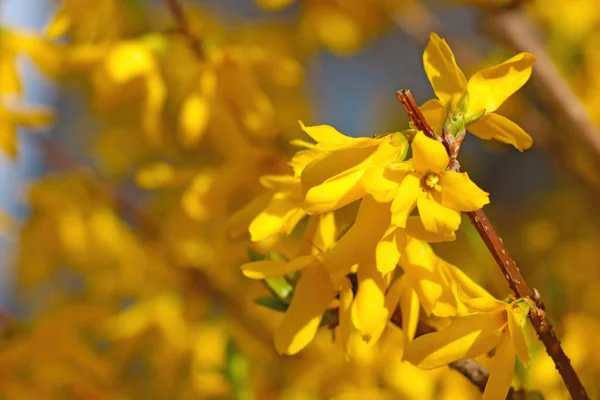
{"x":356,"y":276}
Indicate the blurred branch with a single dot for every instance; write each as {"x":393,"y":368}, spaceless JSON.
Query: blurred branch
{"x":511,"y":272}
{"x":516,"y":30}
{"x":183,"y":26}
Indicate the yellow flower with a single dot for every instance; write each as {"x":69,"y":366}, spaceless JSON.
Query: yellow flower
{"x":278,"y":211}
{"x":438,"y":194}
{"x":495,"y":328}
{"x":472,"y":103}
{"x":13,"y":117}
{"x":312,"y":294}
{"x":131,"y":68}
{"x":333,"y":179}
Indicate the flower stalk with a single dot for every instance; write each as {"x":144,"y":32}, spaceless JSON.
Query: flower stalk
{"x":507,"y":265}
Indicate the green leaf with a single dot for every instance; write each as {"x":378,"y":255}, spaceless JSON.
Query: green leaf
{"x":238,"y":372}
{"x":273,"y":303}
{"x":280,"y":288}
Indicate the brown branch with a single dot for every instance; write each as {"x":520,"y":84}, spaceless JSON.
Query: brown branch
{"x":511,"y":273}
{"x":183,"y":26}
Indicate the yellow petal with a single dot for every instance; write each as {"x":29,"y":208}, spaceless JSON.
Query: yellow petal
{"x":486,"y":304}
{"x":193,"y":120}
{"x":8,"y":137}
{"x":437,"y":218}
{"x":466,"y":286}
{"x":429,"y":155}
{"x":460,"y":193}
{"x":9,"y":76}
{"x":129,"y":60}
{"x":406,"y":198}
{"x":420,"y":266}
{"x":360,"y":241}
{"x":281,"y":183}
{"x":269,"y":268}
{"x":389,"y":249}
{"x":345,"y":327}
{"x":240,"y":221}
{"x":59,"y":25}
{"x":415,"y":228}
{"x":334,"y":165}
{"x":33,"y":118}
{"x":490,"y":87}
{"x":497,"y":127}
{"x":467,"y":337}
{"x":409,"y":305}
{"x":328,"y":138}
{"x":281,"y":216}
{"x":502,"y":368}
{"x":381,"y":182}
{"x":335,"y":193}
{"x":435,"y":113}
{"x":326,"y":232}
{"x":369,"y":314}
{"x":446,"y":78}
{"x":300,"y":323}
{"x":516,"y":325}
{"x":156,"y":94}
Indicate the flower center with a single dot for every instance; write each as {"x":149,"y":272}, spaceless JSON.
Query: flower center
{"x":431,"y":181}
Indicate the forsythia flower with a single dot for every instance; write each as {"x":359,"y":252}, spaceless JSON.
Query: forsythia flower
{"x":472,"y":104}
{"x":438,"y":194}
{"x":494,"y":328}
{"x":333,"y":179}
{"x":313,"y":292}
{"x":281,"y":211}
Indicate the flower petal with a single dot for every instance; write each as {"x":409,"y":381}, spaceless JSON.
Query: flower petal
{"x":360,"y":241}
{"x":382,"y":182}
{"x":409,"y":305}
{"x":415,"y":228}
{"x":467,"y":337}
{"x":300,"y":323}
{"x":459,"y":193}
{"x":446,"y":78}
{"x":369,"y":314}
{"x":406,"y":198}
{"x":429,"y":155}
{"x":486,"y":304}
{"x":388,"y":249}
{"x":495,"y":126}
{"x":437,"y":218}
{"x":264,"y":269}
{"x":328,"y":138}
{"x":326,"y":232}
{"x":502,"y":368}
{"x":516,"y":325}
{"x":490,"y":87}
{"x":435,"y":113}
{"x":281,"y":216}
{"x":335,"y":193}
{"x":346,"y":299}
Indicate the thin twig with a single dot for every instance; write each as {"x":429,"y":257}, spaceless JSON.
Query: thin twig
{"x":183,"y":26}
{"x":511,"y":273}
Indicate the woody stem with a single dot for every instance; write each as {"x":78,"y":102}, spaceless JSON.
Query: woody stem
{"x":508,"y":266}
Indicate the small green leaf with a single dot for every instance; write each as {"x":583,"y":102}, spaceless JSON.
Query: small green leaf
{"x":254,"y":256}
{"x":238,"y":372}
{"x":280,"y":288}
{"x":273,"y":303}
